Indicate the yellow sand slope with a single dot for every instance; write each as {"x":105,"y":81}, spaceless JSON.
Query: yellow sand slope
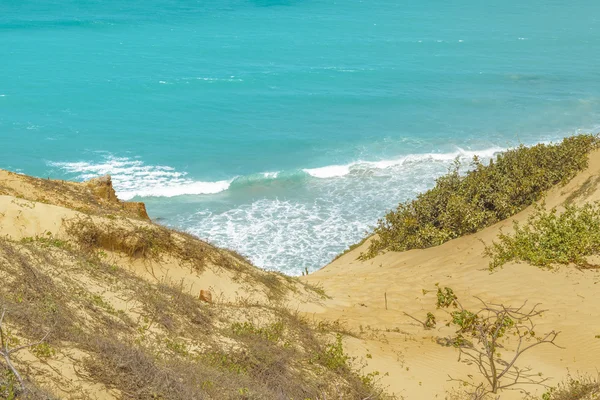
{"x":45,"y":264}
{"x":417,"y":365}
{"x":370,"y":297}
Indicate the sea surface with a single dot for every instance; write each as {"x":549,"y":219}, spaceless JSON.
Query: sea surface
{"x":285,"y":128}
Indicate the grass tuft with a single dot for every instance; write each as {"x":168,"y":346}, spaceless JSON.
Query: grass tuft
{"x":580,"y":388}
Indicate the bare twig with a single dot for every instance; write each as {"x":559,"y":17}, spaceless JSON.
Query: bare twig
{"x":487,"y":327}
{"x":5,"y":352}
{"x":423,"y":323}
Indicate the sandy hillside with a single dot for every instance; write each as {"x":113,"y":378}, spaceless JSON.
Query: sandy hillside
{"x":417,"y":365}
{"x":121,"y":299}
{"x":135,"y":310}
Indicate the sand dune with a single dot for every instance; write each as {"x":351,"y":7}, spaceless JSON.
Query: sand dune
{"x":418,"y":367}
{"x":371,"y":298}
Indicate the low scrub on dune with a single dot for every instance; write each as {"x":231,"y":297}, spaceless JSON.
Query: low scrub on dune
{"x":145,"y":340}
{"x":154,"y":242}
{"x":461,"y":204}
{"x":550,"y":237}
{"x":137,"y":241}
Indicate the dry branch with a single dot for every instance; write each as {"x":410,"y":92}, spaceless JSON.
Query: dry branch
{"x":5,"y":352}
{"x":487,"y":327}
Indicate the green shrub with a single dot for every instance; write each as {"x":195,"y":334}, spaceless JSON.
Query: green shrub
{"x":333,"y":357}
{"x":551,"y":238}
{"x":463,"y":204}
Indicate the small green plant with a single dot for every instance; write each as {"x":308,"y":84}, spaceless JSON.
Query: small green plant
{"x":43,"y":350}
{"x":430,"y":321}
{"x":550,"y":237}
{"x":177,"y":347}
{"x":445,"y":298}
{"x":46,"y":241}
{"x":370,"y":379}
{"x":333,"y":357}
{"x":99,"y":301}
{"x":225,"y":361}
{"x":272,"y":332}
{"x":9,"y":386}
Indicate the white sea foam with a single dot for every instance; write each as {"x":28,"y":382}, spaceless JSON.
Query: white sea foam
{"x":285,"y":234}
{"x":292,"y":234}
{"x":336,"y":171}
{"x":288,"y":234}
{"x":230,"y":79}
{"x":271,"y":232}
{"x":133,"y":178}
{"x":330,"y":171}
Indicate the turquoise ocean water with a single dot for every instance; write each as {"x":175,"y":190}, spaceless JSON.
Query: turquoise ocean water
{"x":285,"y":128}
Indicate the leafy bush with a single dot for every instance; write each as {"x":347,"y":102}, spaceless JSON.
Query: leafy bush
{"x":551,"y":238}
{"x":463,"y":204}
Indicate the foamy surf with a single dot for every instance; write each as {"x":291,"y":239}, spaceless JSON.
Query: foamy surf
{"x":191,"y":188}
{"x":329,"y":171}
{"x":133,"y":178}
{"x":335,"y":171}
{"x":281,"y":220}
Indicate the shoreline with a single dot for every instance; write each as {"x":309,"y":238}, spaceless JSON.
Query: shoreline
{"x":364,"y":301}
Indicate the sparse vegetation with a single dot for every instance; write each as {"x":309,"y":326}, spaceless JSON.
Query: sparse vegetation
{"x":157,"y":341}
{"x":579,"y":388}
{"x":463,"y":204}
{"x":153,"y":242}
{"x":493,"y":338}
{"x":550,"y":237}
{"x":138,"y":241}
{"x":46,"y":241}
{"x":77,"y":196}
{"x":13,"y":385}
